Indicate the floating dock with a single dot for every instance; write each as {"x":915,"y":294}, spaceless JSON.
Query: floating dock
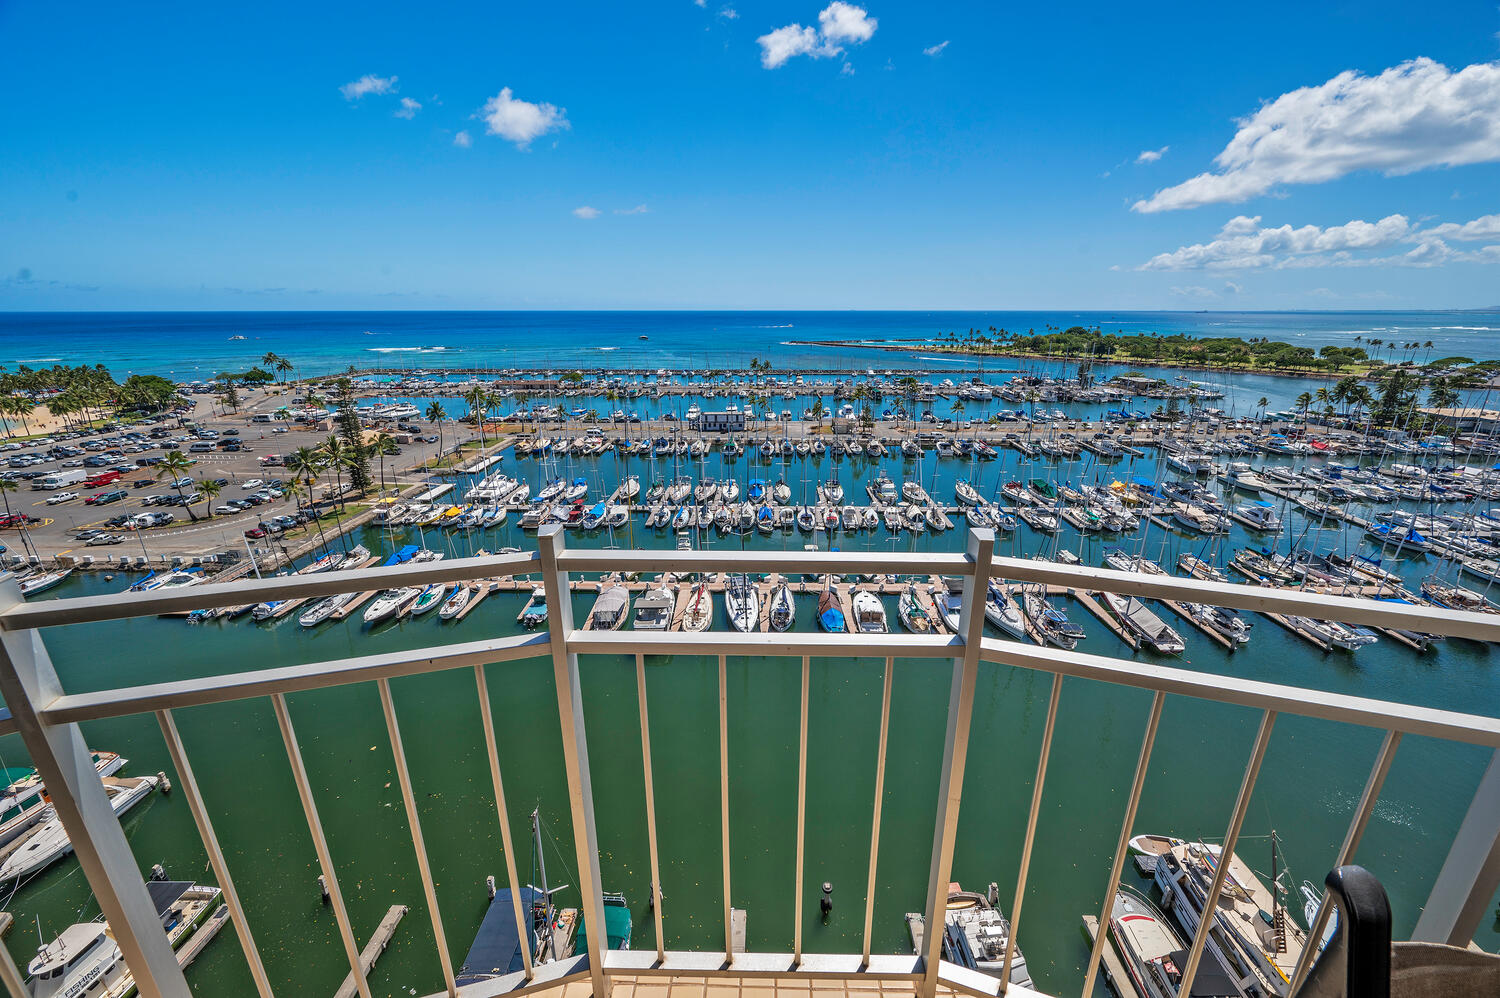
{"x":378,"y":942}
{"x":1119,"y":980}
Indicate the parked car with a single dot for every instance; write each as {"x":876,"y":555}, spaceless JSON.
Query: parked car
{"x":255,"y":532}
{"x":61,"y":497}
{"x":105,"y":498}
{"x":101,"y":539}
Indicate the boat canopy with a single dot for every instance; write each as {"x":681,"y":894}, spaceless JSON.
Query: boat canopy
{"x":496,"y":950}
{"x":617,"y":925}
{"x":402,"y":556}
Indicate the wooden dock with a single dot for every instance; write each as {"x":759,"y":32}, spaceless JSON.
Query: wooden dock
{"x":203,"y":936}
{"x":481,"y":589}
{"x":1114,"y":970}
{"x":1097,"y":609}
{"x":378,"y":942}
{"x":1313,"y":640}
{"x":354,"y":604}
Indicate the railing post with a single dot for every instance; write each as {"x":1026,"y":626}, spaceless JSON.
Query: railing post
{"x":1461,"y":894}
{"x":575,"y":751}
{"x":28,"y":682}
{"x":955,"y":751}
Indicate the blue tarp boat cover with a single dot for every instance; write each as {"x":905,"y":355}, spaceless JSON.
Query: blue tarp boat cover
{"x":497,"y":949}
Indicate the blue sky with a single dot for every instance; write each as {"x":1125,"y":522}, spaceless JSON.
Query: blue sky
{"x":750,"y":155}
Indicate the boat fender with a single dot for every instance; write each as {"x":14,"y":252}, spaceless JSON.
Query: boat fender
{"x":323,"y":888}
{"x":489,"y":886}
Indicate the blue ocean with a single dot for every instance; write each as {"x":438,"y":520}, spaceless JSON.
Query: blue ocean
{"x":198,"y":345}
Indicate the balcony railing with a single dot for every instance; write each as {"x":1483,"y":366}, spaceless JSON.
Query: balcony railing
{"x":48,"y":718}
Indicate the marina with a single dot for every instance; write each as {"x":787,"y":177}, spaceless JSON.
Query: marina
{"x":1110,"y":498}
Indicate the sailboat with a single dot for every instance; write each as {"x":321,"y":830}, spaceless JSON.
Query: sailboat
{"x":1001,"y":610}
{"x":913,"y":612}
{"x":698,"y":609}
{"x":742,"y":603}
{"x":830,"y":614}
{"x":783,"y":612}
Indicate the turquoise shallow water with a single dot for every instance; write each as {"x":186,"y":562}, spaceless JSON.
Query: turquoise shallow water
{"x":198,"y":345}
{"x":1312,"y":776}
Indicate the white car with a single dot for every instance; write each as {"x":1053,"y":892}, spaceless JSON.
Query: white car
{"x":99,"y":540}
{"x":53,"y":500}
{"x":253,"y":483}
{"x":226,"y":510}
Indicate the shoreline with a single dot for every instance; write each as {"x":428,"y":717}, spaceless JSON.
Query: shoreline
{"x":907,"y":346}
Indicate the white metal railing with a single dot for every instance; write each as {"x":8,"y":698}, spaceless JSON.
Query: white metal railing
{"x":47,"y":718}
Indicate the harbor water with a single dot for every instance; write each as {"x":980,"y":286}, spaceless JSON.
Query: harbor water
{"x":1309,"y":785}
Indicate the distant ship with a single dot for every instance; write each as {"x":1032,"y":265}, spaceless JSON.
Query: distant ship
{"x":236,"y":337}
{"x":644,"y":336}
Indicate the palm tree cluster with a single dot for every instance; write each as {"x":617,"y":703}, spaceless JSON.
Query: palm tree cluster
{"x":78,"y":395}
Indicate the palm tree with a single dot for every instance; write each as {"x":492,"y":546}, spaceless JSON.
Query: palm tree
{"x":176,"y":464}
{"x":305,"y":464}
{"x":210,"y":490}
{"x":1303,"y":401}
{"x":1261,"y":405}
{"x":283,"y":368}
{"x":817,"y":411}
{"x":437,"y":415}
{"x":381,"y":444}
{"x":336,"y":454}
{"x":476,"y":397}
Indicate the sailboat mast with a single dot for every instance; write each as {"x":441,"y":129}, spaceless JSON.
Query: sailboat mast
{"x":541,"y":860}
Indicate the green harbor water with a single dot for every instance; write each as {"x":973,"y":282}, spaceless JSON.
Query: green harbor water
{"x":1312,"y":777}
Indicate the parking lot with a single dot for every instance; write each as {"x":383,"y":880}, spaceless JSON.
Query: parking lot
{"x":128,"y":510}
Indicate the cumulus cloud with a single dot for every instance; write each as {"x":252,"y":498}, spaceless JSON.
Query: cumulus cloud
{"x":838,"y":23}
{"x":521,"y":121}
{"x":1484,"y":227}
{"x":585,"y":211}
{"x":408,"y":108}
{"x":1244,"y":244}
{"x":368,"y":84}
{"x":463,"y":140}
{"x":1411,"y":117}
{"x":935,"y":50}
{"x":1152,"y":155}
{"x":844,"y":22}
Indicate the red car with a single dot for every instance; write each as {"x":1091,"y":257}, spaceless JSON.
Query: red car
{"x":255,"y":533}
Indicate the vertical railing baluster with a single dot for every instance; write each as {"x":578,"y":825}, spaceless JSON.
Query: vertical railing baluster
{"x":414,"y":821}
{"x":188,"y":784}
{"x":28,"y":682}
{"x":656,"y":895}
{"x":10,"y":976}
{"x":1036,"y":805}
{"x":575,"y":751}
{"x":1122,"y":846}
{"x":320,"y":843}
{"x":801,"y":816}
{"x":487,"y":716}
{"x":1461,"y":894}
{"x":1356,"y":831}
{"x":1231,"y":839}
{"x":885,"y":729}
{"x":981,"y":548}
{"x":724,"y":806}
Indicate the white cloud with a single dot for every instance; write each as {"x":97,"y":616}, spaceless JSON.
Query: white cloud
{"x":408,"y":108}
{"x":585,"y":211}
{"x":1233,"y":288}
{"x":729,"y":13}
{"x":837,"y":23}
{"x":463,"y":140}
{"x":935,"y":50}
{"x":1484,"y":227}
{"x":844,"y":22}
{"x":639,"y":209}
{"x":847,"y":69}
{"x":1244,"y":244}
{"x":1411,"y":117}
{"x":700,"y":3}
{"x":520,"y":121}
{"x":1194,"y":291}
{"x":778,"y":46}
{"x":368,"y":84}
{"x":1152,"y":155}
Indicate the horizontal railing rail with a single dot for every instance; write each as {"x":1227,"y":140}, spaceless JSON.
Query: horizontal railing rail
{"x":47,"y":717}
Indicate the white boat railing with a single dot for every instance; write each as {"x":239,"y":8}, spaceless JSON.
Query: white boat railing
{"x":48,"y":718}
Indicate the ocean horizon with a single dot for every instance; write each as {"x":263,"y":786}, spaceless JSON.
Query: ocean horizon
{"x":197,"y":345}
